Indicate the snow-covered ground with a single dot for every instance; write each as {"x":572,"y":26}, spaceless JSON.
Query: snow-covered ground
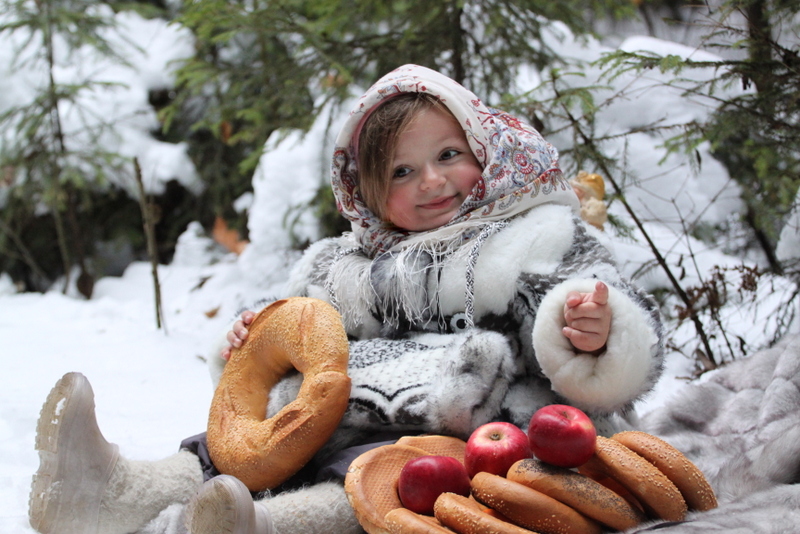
{"x":152,"y":386}
{"x":151,"y":389}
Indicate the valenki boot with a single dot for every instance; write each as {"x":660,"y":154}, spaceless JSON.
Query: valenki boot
{"x":224,"y":506}
{"x":83,"y":485}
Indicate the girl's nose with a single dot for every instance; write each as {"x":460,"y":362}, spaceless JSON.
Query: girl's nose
{"x":431,"y":177}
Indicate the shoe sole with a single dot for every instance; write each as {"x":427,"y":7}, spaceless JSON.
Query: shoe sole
{"x":66,"y":489}
{"x":223,"y":505}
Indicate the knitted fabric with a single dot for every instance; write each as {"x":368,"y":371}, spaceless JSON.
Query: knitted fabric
{"x":444,"y":384}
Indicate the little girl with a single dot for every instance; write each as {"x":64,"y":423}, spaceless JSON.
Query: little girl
{"x":469,"y":286}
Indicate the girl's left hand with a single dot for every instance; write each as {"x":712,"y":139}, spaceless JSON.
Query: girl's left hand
{"x":588,"y":318}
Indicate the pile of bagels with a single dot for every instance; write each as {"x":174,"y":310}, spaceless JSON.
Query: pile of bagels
{"x":632,"y":478}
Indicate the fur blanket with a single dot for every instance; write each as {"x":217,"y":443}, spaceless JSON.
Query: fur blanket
{"x":741,"y":426}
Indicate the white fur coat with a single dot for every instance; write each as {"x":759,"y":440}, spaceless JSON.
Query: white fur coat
{"x":416,"y":365}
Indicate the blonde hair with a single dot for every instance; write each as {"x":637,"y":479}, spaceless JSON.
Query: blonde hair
{"x":377,"y":144}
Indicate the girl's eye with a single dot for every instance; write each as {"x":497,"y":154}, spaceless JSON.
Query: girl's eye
{"x":401,"y":172}
{"x":449,"y":154}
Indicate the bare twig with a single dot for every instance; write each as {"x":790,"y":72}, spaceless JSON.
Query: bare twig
{"x":150,"y":236}
{"x":693,"y":315}
{"x":24,"y":251}
{"x":714,"y":306}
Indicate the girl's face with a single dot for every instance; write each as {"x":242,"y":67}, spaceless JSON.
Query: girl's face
{"x":433,"y":171}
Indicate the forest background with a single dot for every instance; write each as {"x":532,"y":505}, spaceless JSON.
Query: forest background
{"x":163,"y":164}
{"x":79,"y":204}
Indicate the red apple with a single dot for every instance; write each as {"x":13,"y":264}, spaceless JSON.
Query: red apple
{"x":494,"y":448}
{"x":424,"y":478}
{"x":562,"y":435}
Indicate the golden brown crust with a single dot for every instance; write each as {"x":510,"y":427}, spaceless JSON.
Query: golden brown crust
{"x":529,"y":508}
{"x":466,"y":516}
{"x":303,"y":333}
{"x":404,"y":521}
{"x":371,"y":484}
{"x":689,"y":480}
{"x":656,"y":493}
{"x":578,"y":491}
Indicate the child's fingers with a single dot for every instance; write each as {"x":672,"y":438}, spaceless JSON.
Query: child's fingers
{"x":586,"y":324}
{"x":233,"y":339}
{"x":240,"y":330}
{"x":600,"y":294}
{"x":573,"y":299}
{"x":587,"y":310}
{"x":248,"y":316}
{"x":583,"y":341}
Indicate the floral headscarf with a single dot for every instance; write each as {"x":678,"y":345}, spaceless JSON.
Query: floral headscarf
{"x":520,"y":168}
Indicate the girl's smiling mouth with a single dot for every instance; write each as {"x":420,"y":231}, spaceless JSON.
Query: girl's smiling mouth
{"x":439,"y":203}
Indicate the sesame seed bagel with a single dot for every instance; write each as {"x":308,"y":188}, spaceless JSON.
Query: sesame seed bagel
{"x":529,"y":508}
{"x":578,"y":491}
{"x":301,"y":333}
{"x":404,"y":521}
{"x":690,"y":481}
{"x":656,"y":493}
{"x":465,"y":516}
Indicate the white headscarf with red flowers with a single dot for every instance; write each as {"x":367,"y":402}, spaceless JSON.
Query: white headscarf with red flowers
{"x":520,"y":168}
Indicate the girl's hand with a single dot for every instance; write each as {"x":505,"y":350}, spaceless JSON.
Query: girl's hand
{"x":588,"y":318}
{"x":238,"y":334}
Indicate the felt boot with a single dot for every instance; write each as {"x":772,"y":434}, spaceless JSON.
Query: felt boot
{"x":83,"y":486}
{"x":224,"y":506}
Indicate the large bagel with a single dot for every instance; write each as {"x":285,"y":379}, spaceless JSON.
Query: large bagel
{"x":656,"y":493}
{"x":301,"y":333}
{"x":578,"y":491}
{"x":465,"y":516}
{"x":684,"y":474}
{"x":529,"y":508}
{"x":404,"y":521}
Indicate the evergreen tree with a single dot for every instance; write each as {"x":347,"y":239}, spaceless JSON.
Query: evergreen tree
{"x":43,"y":166}
{"x":756,"y":134}
{"x":264,"y":65}
{"x":752,"y":131}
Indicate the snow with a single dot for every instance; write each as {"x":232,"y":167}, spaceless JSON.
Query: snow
{"x":788,"y":249}
{"x":152,"y":386}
